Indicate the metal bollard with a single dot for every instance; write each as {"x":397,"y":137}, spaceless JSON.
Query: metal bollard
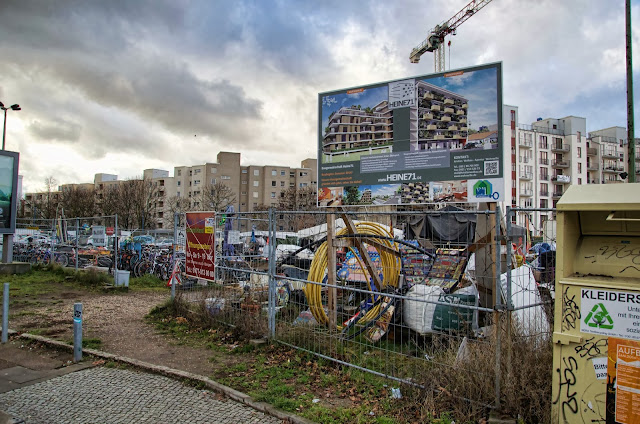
{"x":77,"y":332}
{"x":5,"y":313}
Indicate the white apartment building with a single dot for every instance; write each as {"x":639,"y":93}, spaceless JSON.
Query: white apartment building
{"x":544,"y":158}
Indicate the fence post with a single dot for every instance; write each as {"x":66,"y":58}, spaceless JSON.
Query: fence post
{"x":5,"y":313}
{"x":272,"y":274}
{"x":498,"y":305}
{"x":176,"y":223}
{"x":77,"y":238}
{"x":115,"y":249}
{"x":509,"y":240}
{"x":77,"y":332}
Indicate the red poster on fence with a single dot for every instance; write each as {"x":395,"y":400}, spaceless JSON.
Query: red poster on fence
{"x":201,"y":246}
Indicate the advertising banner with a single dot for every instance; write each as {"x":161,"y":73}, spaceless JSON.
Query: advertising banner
{"x":200,"y":245}
{"x":8,"y":191}
{"x":432,"y":138}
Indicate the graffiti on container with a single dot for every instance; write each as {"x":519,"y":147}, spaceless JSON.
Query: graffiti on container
{"x":570,"y":311}
{"x":591,"y":348}
{"x":567,"y":378}
{"x":629,"y":253}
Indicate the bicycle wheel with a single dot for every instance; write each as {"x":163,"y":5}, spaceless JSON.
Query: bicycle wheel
{"x":144,"y":267}
{"x":62,"y":259}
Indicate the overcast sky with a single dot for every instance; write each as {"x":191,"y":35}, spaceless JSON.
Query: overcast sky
{"x":119,"y":86}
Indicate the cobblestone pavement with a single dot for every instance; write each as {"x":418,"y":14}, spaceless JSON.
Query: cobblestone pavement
{"x":112,"y":395}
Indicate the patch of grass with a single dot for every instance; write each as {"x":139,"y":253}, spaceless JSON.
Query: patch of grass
{"x":147,"y":282}
{"x":91,"y":343}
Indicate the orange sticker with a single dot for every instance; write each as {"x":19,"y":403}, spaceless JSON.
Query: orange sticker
{"x":624,"y":379}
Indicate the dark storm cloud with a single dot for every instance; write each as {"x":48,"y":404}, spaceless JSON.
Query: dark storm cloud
{"x":62,"y":131}
{"x":106,"y":51}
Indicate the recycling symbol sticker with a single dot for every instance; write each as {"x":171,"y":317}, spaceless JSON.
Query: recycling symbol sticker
{"x":598,"y":317}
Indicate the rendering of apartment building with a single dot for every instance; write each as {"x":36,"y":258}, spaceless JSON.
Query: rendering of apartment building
{"x":353,"y":130}
{"x":441,"y":118}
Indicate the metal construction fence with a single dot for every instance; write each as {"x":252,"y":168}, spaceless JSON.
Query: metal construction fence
{"x":428,"y":298}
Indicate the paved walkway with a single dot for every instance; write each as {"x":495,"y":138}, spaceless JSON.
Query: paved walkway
{"x":115,"y":395}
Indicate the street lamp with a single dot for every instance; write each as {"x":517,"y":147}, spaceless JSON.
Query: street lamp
{"x":4,"y":127}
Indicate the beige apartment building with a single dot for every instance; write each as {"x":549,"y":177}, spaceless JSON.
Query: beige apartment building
{"x":251,"y":185}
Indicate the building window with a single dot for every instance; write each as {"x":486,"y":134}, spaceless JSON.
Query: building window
{"x":244,"y":182}
{"x":513,"y":115}
{"x":244,"y":171}
{"x":273,"y":194}
{"x":214,"y":170}
{"x":196,"y":171}
{"x":179,"y":183}
{"x":255,"y":194}
{"x":213,"y":180}
{"x":579,"y":181}
{"x":543,"y":142}
{"x":579,"y":152}
{"x":244,"y":193}
{"x":580,"y":167}
{"x":303,"y":184}
{"x":273,"y":183}
{"x":256,"y":172}
{"x":196,"y":182}
{"x":281,"y":183}
{"x":225,"y":177}
{"x":282,"y":173}
{"x":256,"y":183}
{"x":178,"y":194}
{"x":179,"y":172}
{"x":274,"y":172}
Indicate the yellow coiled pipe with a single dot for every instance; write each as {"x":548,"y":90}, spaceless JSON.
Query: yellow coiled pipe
{"x":390,"y":263}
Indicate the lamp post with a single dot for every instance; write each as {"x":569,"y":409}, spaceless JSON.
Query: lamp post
{"x":4,"y":127}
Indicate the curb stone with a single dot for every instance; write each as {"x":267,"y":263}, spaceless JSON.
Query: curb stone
{"x":174,"y":373}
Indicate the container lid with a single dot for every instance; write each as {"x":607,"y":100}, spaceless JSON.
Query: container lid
{"x":601,"y":197}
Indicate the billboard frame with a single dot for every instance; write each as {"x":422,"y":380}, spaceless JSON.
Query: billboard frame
{"x":444,"y":161}
{"x":8,"y":225}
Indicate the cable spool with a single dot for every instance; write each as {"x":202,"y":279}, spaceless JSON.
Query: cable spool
{"x":390,"y":263}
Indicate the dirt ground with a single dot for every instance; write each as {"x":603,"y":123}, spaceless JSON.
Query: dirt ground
{"x":117,"y":320}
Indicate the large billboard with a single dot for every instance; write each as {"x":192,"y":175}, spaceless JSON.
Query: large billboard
{"x":200,"y":245}
{"x":432,"y":138}
{"x":8,"y":191}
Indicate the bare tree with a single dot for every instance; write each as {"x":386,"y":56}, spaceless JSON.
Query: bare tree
{"x":176,"y":205}
{"x":215,"y":197}
{"x":298,"y":199}
{"x":78,"y":201}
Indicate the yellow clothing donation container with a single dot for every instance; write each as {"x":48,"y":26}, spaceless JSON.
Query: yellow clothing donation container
{"x":596,"y":351}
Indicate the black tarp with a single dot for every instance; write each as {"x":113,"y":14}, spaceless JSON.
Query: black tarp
{"x":443,"y":226}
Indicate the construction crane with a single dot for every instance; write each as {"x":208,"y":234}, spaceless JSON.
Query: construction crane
{"x":435,"y":41}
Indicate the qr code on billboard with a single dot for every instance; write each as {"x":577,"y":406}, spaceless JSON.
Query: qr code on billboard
{"x":491,"y":167}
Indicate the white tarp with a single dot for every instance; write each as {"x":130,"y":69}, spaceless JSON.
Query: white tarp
{"x":531,"y":317}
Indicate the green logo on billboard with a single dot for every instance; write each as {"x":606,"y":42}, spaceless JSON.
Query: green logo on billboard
{"x":599,"y":318}
{"x":484,"y":188}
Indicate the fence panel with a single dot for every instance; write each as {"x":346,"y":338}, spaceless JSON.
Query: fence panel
{"x":450,"y":300}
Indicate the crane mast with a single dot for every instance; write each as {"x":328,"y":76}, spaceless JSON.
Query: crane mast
{"x":435,"y":40}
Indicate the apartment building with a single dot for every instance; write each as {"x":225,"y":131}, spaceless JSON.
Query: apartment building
{"x":551,"y":154}
{"x":353,"y":130}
